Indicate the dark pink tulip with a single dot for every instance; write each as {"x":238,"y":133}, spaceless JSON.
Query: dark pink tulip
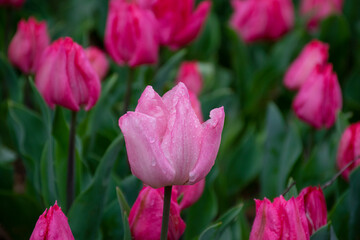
{"x":98,"y":60}
{"x":314,"y":53}
{"x":349,"y":149}
{"x":28,"y":44}
{"x":52,"y":225}
{"x":165,"y":141}
{"x":190,"y":75}
{"x":315,"y":207}
{"x":196,"y":105}
{"x":257,"y":20}
{"x":131,"y":34}
{"x":66,"y":77}
{"x":190,"y":193}
{"x":319,"y":99}
{"x":146,"y":215}
{"x":13,"y":3}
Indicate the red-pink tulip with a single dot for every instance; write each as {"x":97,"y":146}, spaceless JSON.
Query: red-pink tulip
{"x":131,"y":34}
{"x":52,"y":225}
{"x":190,"y":193}
{"x":314,"y":53}
{"x":196,"y":105}
{"x":190,"y":75}
{"x":257,"y":20}
{"x":146,"y":215}
{"x":319,"y":99}
{"x":349,"y":149}
{"x":13,"y":3}
{"x":165,"y":141}
{"x":28,"y":44}
{"x":315,"y":207}
{"x":98,"y":60}
{"x":66,"y":77}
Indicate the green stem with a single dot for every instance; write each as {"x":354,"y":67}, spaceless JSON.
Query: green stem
{"x":71,"y":163}
{"x":166,"y":213}
{"x":128,"y":90}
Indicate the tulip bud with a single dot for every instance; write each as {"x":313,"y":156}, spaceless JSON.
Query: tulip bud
{"x":28,"y":44}
{"x":13,"y":3}
{"x":165,"y":141}
{"x":315,"y":207}
{"x":256,"y":20}
{"x":52,"y":225}
{"x":131,"y":34}
{"x":98,"y":60}
{"x":319,"y":98}
{"x":66,"y":77}
{"x":145,"y":217}
{"x":190,"y":193}
{"x":190,"y":75}
{"x":314,"y":53}
{"x":349,"y":149}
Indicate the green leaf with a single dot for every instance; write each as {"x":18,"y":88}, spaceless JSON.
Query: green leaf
{"x":340,"y":215}
{"x":293,"y":192}
{"x":324,"y":233}
{"x":48,"y":186}
{"x":354,"y":222}
{"x":12,"y":82}
{"x":125,"y":211}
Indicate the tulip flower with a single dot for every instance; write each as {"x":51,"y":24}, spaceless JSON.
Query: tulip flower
{"x":315,"y":207}
{"x":256,"y":20}
{"x":28,"y":44}
{"x":131,"y":34}
{"x":145,"y":215}
{"x":190,"y":75}
{"x":196,"y":105}
{"x":319,"y":99}
{"x":13,"y":3}
{"x":52,"y":225}
{"x":166,"y":142}
{"x":314,"y":53}
{"x":349,"y":149}
{"x":98,"y":60}
{"x":190,"y":193}
{"x":66,"y":77}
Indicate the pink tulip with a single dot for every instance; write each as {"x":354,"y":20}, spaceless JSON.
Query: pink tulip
{"x":190,"y":75}
{"x":146,"y":215}
{"x":315,"y":207}
{"x":166,"y":142}
{"x":316,"y":10}
{"x":178,"y":22}
{"x":319,"y":99}
{"x":257,"y":20}
{"x":190,"y":193}
{"x":131,"y":34}
{"x":13,"y":3}
{"x":28,"y":44}
{"x":52,"y":225}
{"x":196,"y":105}
{"x":349,"y":149}
{"x":66,"y":77}
{"x":314,"y":53}
{"x":98,"y":60}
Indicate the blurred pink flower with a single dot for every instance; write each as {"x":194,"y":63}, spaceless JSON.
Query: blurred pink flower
{"x":190,"y":193}
{"x":13,"y":3}
{"x":66,"y":77}
{"x":314,"y":53}
{"x":166,"y":142}
{"x":27,"y":45}
{"x":190,"y":75}
{"x":196,"y":105}
{"x":98,"y":60}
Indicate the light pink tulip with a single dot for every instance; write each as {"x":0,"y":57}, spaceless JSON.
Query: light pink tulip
{"x":66,"y":77}
{"x":145,"y":217}
{"x":190,"y":193}
{"x":13,"y":3}
{"x":28,"y":44}
{"x":131,"y":34}
{"x":349,"y":149}
{"x":52,"y":225}
{"x":319,"y":99}
{"x":166,"y":142}
{"x":256,"y":20}
{"x":190,"y":75}
{"x":314,"y":53}
{"x":98,"y":60}
{"x":315,"y":207}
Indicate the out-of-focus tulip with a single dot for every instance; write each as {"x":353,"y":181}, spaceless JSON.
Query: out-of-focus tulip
{"x":13,"y":3}
{"x":319,"y":99}
{"x":315,"y":207}
{"x":131,"y":34}
{"x":195,"y":103}
{"x":52,"y":225}
{"x":257,"y":20}
{"x":165,"y":141}
{"x":98,"y":60}
{"x":66,"y":77}
{"x":349,"y":149}
{"x":190,"y":75}
{"x":190,"y":193}
{"x":145,"y":217}
{"x":28,"y":44}
{"x":316,"y":10}
{"x":178,"y":22}
{"x":314,"y":53}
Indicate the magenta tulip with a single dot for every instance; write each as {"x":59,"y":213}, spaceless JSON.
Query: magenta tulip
{"x":190,"y":193}
{"x":146,"y":215}
{"x":98,"y":60}
{"x":12,"y":3}
{"x":314,"y":53}
{"x":52,"y":225}
{"x":28,"y":44}
{"x":190,"y":75}
{"x":66,"y":77}
{"x":166,"y":142}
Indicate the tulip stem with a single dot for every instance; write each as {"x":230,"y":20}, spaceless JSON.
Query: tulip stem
{"x":128,"y":90}
{"x":166,"y":212}
{"x":71,"y":162}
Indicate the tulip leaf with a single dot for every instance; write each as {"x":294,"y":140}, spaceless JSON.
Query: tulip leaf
{"x":354,"y":223}
{"x":11,"y":80}
{"x":324,"y":233}
{"x":125,"y":211}
{"x":340,"y":216}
